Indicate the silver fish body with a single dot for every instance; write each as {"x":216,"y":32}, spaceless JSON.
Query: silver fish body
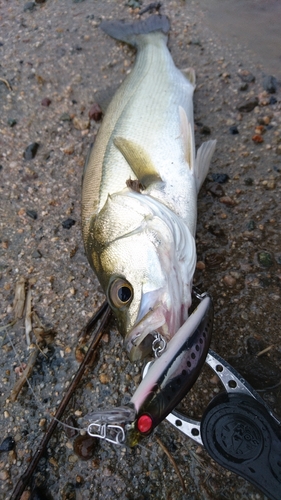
{"x":140,"y":191}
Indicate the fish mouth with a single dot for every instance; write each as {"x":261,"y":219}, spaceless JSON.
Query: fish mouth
{"x":139,"y":341}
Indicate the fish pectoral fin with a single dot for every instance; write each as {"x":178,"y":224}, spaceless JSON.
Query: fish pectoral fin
{"x":139,"y":161}
{"x":188,"y":139}
{"x":189,"y":73}
{"x":203,"y":160}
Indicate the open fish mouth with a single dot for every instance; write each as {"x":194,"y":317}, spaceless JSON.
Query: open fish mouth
{"x":139,"y":342}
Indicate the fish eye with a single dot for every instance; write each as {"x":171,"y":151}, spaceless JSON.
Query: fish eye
{"x":121,"y":293}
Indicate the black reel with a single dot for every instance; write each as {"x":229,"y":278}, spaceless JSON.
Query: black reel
{"x":240,"y":434}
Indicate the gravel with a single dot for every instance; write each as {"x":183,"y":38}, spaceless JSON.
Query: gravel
{"x":55,"y":60}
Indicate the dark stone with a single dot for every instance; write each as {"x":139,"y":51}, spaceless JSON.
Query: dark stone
{"x":249,"y":181}
{"x":68,"y":223}
{"x":70,"y":431}
{"x":233,"y":130}
{"x":246,"y":76}
{"x":248,"y":105}
{"x":78,"y":1}
{"x":205,"y":130}
{"x":46,"y":102}
{"x":220,"y":178}
{"x":37,"y":254}
{"x":216,"y":230}
{"x":65,"y":117}
{"x":270,"y":84}
{"x":216,"y":189}
{"x":251,"y":225}
{"x":40,"y":1}
{"x":243,"y":87}
{"x":1,"y":166}
{"x":265,"y":259}
{"x":85,"y":446}
{"x":7,"y":444}
{"x":12,"y":122}
{"x":31,"y":151}
{"x":272,"y":100}
{"x":29,"y":6}
{"x":95,"y":112}
{"x":32,"y":214}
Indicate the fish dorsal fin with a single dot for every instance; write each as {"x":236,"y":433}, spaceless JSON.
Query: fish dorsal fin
{"x":203,"y":160}
{"x":188,"y":138}
{"x":139,"y":161}
{"x":189,"y":73}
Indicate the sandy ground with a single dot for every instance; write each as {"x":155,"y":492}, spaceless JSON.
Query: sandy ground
{"x":55,"y":52}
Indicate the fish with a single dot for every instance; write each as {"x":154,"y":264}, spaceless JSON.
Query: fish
{"x":139,"y":191}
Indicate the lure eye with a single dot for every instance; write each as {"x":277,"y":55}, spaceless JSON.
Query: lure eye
{"x":121,"y":293}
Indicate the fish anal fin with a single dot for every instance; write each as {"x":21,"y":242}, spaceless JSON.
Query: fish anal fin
{"x":139,"y":161}
{"x":187,"y":137}
{"x":203,"y":160}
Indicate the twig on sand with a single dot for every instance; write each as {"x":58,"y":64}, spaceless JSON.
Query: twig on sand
{"x":25,"y":374}
{"x":25,"y":478}
{"x":8,"y":85}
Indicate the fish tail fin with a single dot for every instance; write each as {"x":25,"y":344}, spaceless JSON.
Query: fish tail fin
{"x":129,"y":32}
{"x":202,"y":162}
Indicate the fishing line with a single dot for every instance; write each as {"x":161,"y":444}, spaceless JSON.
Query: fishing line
{"x":43,"y":408}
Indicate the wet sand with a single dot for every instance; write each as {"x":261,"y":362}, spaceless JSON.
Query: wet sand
{"x":54,"y":59}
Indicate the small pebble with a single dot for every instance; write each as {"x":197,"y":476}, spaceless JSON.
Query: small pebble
{"x":12,"y":122}
{"x":259,"y":129}
{"x":200,"y":265}
{"x":257,"y":139}
{"x":216,"y":189}
{"x":68,"y":223}
{"x":265,"y":259}
{"x":227,"y":200}
{"x":272,"y":100}
{"x":229,"y":280}
{"x":32,"y":214}
{"x":205,"y":130}
{"x":80,"y":124}
{"x":270,"y":84}
{"x":95,"y":112}
{"x":69,"y":149}
{"x":65,"y":117}
{"x":31,"y":151}
{"x":248,"y":181}
{"x":233,"y":130}
{"x":46,"y":102}
{"x":220,"y":178}
{"x":104,"y":378}
{"x":244,"y":86}
{"x":7,"y":444}
{"x":85,"y":446}
{"x":72,"y":423}
{"x":4,"y":475}
{"x":29,"y":6}
{"x":37,"y":254}
{"x":248,"y":105}
{"x":246,"y":76}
